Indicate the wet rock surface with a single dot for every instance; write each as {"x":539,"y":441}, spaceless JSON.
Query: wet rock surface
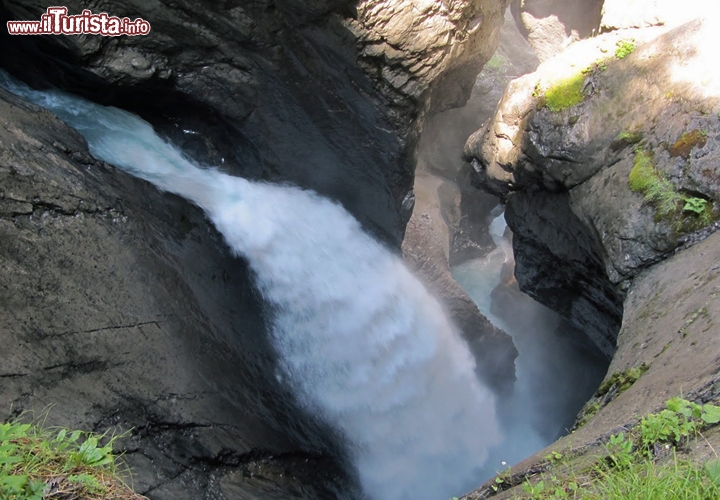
{"x":450,"y":218}
{"x":269,"y":90}
{"x":670,"y":325}
{"x":322,"y":94}
{"x":122,"y":308}
{"x":425,"y":248}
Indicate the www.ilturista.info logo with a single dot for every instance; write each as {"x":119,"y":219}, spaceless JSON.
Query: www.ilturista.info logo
{"x":57,"y":22}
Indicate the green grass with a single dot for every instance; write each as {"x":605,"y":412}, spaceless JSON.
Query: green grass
{"x":678,"y":479}
{"x":646,"y":180}
{"x":37,"y":464}
{"x":629,"y":137}
{"x":644,"y":464}
{"x":645,"y":480}
{"x":565,"y":93}
{"x":684,"y":212}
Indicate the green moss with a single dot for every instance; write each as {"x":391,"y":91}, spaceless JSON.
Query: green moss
{"x":622,"y":380}
{"x":565,"y":93}
{"x":625,"y":47}
{"x":587,"y":413}
{"x":687,"y":142}
{"x":626,"y":138}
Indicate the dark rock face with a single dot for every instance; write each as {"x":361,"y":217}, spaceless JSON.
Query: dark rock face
{"x":122,"y":307}
{"x":572,"y":168}
{"x":272,"y":90}
{"x":558,"y":264}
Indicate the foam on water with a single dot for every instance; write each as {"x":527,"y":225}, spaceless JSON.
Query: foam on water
{"x":361,"y":342}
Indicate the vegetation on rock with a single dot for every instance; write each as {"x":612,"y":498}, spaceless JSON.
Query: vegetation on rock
{"x":497,"y":62}
{"x":684,"y":212}
{"x":629,"y":137}
{"x":622,"y":380}
{"x":614,"y":385}
{"x":640,"y":464}
{"x":625,"y":47}
{"x":687,"y":142}
{"x":38,"y":463}
{"x":569,"y":92}
{"x":565,"y":93}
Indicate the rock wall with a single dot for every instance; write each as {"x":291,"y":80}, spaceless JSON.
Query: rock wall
{"x":122,"y":308}
{"x":614,"y":196}
{"x":427,"y":51}
{"x":581,"y":158}
{"x":551,"y":25}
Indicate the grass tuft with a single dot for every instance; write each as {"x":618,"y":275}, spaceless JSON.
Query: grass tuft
{"x":38,"y":464}
{"x":684,"y":212}
{"x":629,"y":137}
{"x":643,"y":464}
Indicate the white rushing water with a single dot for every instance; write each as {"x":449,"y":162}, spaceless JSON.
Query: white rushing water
{"x":361,"y":342}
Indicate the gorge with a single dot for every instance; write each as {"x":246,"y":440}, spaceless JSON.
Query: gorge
{"x":251,"y":354}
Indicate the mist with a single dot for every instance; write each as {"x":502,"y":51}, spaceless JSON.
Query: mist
{"x":360,"y":341}
{"x":558,"y":368}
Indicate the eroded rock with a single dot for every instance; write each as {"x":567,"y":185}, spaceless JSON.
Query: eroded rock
{"x":427,"y":51}
{"x":551,"y":25}
{"x":584,"y":155}
{"x":123,"y":309}
{"x":450,"y":220}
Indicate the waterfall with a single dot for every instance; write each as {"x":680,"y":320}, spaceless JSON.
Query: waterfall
{"x":361,"y":342}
